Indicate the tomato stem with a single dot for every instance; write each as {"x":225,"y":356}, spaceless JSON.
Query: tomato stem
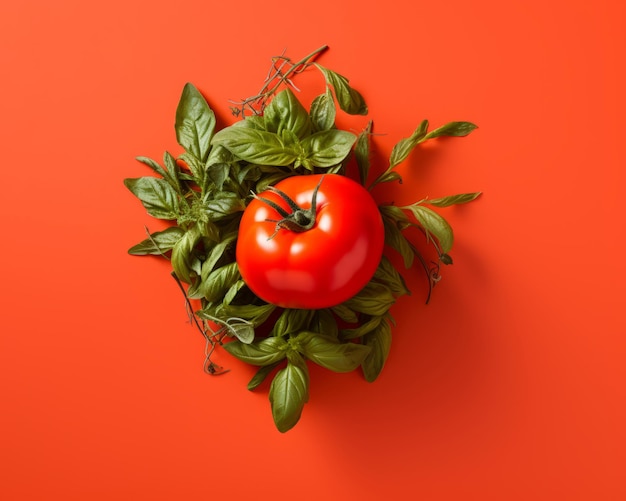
{"x":299,"y":219}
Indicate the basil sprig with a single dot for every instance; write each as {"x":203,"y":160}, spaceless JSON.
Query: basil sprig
{"x":201,"y":194}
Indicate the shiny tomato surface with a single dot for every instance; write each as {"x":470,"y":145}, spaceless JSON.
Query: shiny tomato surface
{"x":320,"y":267}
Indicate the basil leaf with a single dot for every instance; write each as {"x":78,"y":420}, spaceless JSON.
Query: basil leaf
{"x":362,"y":329}
{"x":373,"y":299}
{"x":183,"y":258}
{"x":224,"y":204}
{"x":217,"y":283}
{"x":242,"y":330}
{"x":453,"y":199}
{"x":433,"y":224}
{"x":396,"y":240}
{"x":349,"y":99}
{"x":257,"y":314}
{"x":215,"y":254}
{"x":387,"y":273}
{"x":252,"y":122}
{"x":233,"y":291}
{"x":323,"y":111}
{"x":325,"y":323}
{"x":264,"y":352}
{"x":362,"y":153}
{"x":288,"y":393}
{"x":196,"y":166}
{"x":456,"y":129}
{"x":153,"y":165}
{"x":291,"y":321}
{"x":286,"y":113}
{"x":261,"y":375}
{"x":345,"y":313}
{"x":172,"y":174}
{"x":218,"y":174}
{"x":195,"y":123}
{"x":388,"y":177}
{"x":403,"y":147}
{"x":156,"y":195}
{"x":327,"y":148}
{"x":255,"y":146}
{"x":331,"y":354}
{"x":158,"y":243}
{"x":379,"y":342}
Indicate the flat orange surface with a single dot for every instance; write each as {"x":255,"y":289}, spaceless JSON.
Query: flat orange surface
{"x":509,"y":385}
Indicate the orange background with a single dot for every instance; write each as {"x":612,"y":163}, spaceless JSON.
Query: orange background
{"x":508,"y":385}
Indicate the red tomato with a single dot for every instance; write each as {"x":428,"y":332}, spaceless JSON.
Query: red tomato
{"x":311,"y":268}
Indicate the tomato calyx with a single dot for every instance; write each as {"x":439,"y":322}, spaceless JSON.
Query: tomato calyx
{"x":299,"y":219}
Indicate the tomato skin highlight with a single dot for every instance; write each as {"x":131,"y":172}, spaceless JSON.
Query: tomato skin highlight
{"x":320,"y":267}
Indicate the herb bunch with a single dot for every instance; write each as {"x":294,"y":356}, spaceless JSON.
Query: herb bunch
{"x":203,"y":191}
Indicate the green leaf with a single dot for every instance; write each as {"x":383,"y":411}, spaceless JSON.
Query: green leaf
{"x":362,"y":329}
{"x":403,"y":148}
{"x":388,"y":274}
{"x":286,"y":113}
{"x":195,"y":123}
{"x":215,"y":254}
{"x":267,"y":351}
{"x":362,"y":153}
{"x":349,"y":99}
{"x":242,"y":330}
{"x":373,"y":299}
{"x":196,"y":167}
{"x":330,"y":353}
{"x":153,"y":165}
{"x":323,"y":111}
{"x":327,"y":148}
{"x":292,"y":321}
{"x":183,"y":257}
{"x":462,"y":198}
{"x":456,"y":129}
{"x":158,"y":243}
{"x":397,"y":241}
{"x":261,"y":375}
{"x":252,"y":122}
{"x":255,"y":146}
{"x":233,"y":291}
{"x":218,"y":174}
{"x":345,"y":313}
{"x":379,"y":342}
{"x":257,"y":314}
{"x":288,"y":393}
{"x":387,"y":177}
{"x":224,"y":204}
{"x":219,"y":281}
{"x":434,"y":225}
{"x":172,"y":174}
{"x":325,"y":323}
{"x":156,"y":195}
